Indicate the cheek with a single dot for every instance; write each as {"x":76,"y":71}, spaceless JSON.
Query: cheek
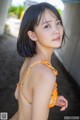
{"x":41,"y":35}
{"x":61,"y":31}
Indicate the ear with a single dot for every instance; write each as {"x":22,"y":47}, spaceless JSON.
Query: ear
{"x":32,"y":35}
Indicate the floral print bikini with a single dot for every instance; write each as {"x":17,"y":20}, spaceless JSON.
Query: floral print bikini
{"x":54,"y":95}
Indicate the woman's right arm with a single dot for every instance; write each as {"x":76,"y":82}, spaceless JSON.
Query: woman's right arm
{"x":42,"y":89}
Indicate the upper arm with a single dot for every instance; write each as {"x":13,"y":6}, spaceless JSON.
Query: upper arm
{"x":42,"y":90}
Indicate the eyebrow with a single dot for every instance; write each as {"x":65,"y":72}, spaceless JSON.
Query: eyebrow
{"x":49,"y":21}
{"x":46,"y":22}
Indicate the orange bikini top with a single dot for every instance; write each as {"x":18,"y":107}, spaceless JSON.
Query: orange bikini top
{"x":54,"y":95}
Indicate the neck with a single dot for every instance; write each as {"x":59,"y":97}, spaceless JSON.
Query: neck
{"x":45,"y":54}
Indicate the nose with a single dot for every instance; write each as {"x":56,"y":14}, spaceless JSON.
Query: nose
{"x":55,"y":30}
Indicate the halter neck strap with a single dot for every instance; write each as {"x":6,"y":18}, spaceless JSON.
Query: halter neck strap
{"x":45,"y":62}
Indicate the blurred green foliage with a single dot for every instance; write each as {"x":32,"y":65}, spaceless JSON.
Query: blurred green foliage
{"x":16,"y":11}
{"x":60,"y":12}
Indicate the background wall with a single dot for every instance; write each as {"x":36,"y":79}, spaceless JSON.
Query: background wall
{"x":4,"y":5}
{"x":69,"y":54}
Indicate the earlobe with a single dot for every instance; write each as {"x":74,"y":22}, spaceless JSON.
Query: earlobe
{"x":32,"y":35}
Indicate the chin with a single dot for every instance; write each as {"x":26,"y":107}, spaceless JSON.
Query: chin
{"x":57,"y":46}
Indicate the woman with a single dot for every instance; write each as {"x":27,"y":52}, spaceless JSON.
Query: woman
{"x":41,"y":31}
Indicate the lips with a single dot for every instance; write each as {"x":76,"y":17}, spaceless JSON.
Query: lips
{"x":56,"y":39}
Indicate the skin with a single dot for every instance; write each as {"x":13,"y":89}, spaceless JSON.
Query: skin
{"x":41,"y":85}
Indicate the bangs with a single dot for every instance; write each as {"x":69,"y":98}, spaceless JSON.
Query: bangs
{"x":39,"y":18}
{"x":42,"y":14}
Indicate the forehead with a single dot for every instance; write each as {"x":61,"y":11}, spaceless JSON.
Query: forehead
{"x":48,"y":15}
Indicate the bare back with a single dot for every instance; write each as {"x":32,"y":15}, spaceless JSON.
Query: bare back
{"x":24,"y":111}
{"x":25,"y":103}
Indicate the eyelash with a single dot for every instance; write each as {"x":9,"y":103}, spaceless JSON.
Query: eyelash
{"x":48,"y":26}
{"x":59,"y":23}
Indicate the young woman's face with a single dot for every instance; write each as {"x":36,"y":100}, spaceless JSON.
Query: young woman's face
{"x":49,"y":32}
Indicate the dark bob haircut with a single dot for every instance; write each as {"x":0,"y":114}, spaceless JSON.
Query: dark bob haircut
{"x":32,"y":16}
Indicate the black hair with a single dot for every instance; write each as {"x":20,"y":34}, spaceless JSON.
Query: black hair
{"x":32,"y":16}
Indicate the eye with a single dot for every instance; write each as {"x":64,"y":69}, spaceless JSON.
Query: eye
{"x":58,"y":22}
{"x":47,"y":26}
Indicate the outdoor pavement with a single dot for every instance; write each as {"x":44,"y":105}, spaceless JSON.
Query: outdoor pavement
{"x":10,"y":64}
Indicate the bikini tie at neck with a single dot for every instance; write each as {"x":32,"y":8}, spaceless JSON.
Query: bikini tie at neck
{"x":50,"y":66}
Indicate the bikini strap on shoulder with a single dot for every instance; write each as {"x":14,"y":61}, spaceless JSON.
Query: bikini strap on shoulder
{"x":21,"y":84}
{"x":45,"y":62}
{"x":49,"y":66}
{"x":35,"y":64}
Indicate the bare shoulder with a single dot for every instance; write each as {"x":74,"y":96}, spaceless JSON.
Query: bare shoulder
{"x":43,"y":81}
{"x":41,"y":73}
